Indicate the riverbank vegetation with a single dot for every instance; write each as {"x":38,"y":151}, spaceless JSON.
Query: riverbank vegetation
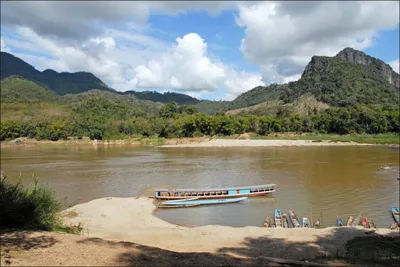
{"x":30,"y":208}
{"x":106,"y":119}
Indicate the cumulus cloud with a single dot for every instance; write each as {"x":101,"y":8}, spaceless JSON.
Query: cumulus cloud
{"x":281,"y":37}
{"x":183,"y":66}
{"x":395,"y":65}
{"x":82,"y":19}
{"x":188,"y":68}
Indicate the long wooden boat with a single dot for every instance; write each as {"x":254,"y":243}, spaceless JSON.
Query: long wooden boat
{"x":278,"y":219}
{"x":178,"y":206}
{"x":210,"y":193}
{"x":267,"y":222}
{"x":285,"y":220}
{"x":202,"y":201}
{"x":339,"y":222}
{"x":293,"y":218}
{"x":306,"y":222}
{"x":364,"y":223}
{"x":371,"y":223}
{"x":356,"y":221}
{"x":396,"y":214}
{"x":350,"y":221}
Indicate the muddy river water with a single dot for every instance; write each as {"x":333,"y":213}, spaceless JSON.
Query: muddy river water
{"x":317,"y":182}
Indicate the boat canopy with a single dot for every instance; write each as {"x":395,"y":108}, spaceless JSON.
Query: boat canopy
{"x":221,"y":189}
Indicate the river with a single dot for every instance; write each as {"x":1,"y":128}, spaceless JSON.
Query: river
{"x":317,"y":182}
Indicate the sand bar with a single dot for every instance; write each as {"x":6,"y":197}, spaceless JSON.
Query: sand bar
{"x":263,"y":143}
{"x":132,"y":219}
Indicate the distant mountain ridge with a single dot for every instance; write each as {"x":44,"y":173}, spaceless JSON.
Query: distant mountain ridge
{"x":61,"y":83}
{"x":351,"y":77}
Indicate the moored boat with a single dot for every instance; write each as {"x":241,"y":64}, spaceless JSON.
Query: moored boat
{"x":350,"y":221}
{"x":278,"y":219}
{"x":272,"y":223}
{"x":371,"y":223}
{"x":293,"y":218}
{"x":267,"y":222}
{"x":356,"y":221}
{"x":306,"y":222}
{"x":285,"y":220}
{"x":339,"y":222}
{"x":364,"y":223}
{"x":231,"y":192}
{"x":317,"y":224}
{"x":396,"y":215}
{"x":202,"y":201}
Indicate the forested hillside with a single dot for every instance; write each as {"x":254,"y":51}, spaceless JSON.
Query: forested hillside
{"x":334,"y":95}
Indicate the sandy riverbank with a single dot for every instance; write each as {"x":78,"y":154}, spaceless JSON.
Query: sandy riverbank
{"x":263,"y":143}
{"x":124,"y":232}
{"x":131,"y":219}
{"x":184,"y":142}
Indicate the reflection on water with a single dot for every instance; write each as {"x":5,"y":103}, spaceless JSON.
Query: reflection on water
{"x":317,"y":182}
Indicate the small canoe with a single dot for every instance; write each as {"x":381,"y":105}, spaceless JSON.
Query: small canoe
{"x":267,"y":222}
{"x":272,"y":223}
{"x":306,"y":222}
{"x":285,"y":221}
{"x":278,"y":219}
{"x":371,"y":223}
{"x":394,"y":226}
{"x":317,"y":223}
{"x":356,"y":221}
{"x":202,"y":201}
{"x":293,"y":218}
{"x":350,"y":221}
{"x":178,"y":206}
{"x":396,"y":214}
{"x":364,"y":223}
{"x":339,"y":222}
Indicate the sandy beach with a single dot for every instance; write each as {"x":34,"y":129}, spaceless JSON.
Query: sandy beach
{"x":124,"y":231}
{"x":262,"y":143}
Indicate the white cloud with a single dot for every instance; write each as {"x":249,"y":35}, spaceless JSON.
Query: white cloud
{"x":281,"y":37}
{"x":82,"y":19}
{"x":184,"y":66}
{"x":395,"y":65}
{"x":188,"y":68}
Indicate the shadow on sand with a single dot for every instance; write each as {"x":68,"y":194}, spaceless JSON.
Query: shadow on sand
{"x":343,"y":247}
{"x":363,"y":248}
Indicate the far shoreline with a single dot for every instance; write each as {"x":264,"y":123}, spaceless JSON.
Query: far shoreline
{"x":243,"y":140}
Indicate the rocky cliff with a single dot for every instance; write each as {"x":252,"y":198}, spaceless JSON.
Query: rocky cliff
{"x":371,"y":64}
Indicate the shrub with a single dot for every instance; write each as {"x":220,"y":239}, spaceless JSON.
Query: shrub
{"x":32,"y":208}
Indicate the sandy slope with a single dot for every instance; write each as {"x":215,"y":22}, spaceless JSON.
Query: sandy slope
{"x":131,"y":219}
{"x":124,"y":231}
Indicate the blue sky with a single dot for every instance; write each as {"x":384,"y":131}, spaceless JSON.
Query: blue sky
{"x":213,"y":50}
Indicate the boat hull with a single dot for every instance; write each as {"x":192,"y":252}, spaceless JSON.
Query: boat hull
{"x":278,"y":219}
{"x":202,"y":202}
{"x":294,"y":219}
{"x":396,"y":215}
{"x":249,"y":191}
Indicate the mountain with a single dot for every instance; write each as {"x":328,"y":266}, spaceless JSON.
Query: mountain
{"x":61,"y":83}
{"x":351,"y":77}
{"x":16,"y":89}
{"x":371,"y":64}
{"x":166,"y":97}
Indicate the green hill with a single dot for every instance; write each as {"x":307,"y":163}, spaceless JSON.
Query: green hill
{"x":61,"y":83}
{"x":341,"y":81}
{"x":166,"y":97}
{"x":18,"y":89}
